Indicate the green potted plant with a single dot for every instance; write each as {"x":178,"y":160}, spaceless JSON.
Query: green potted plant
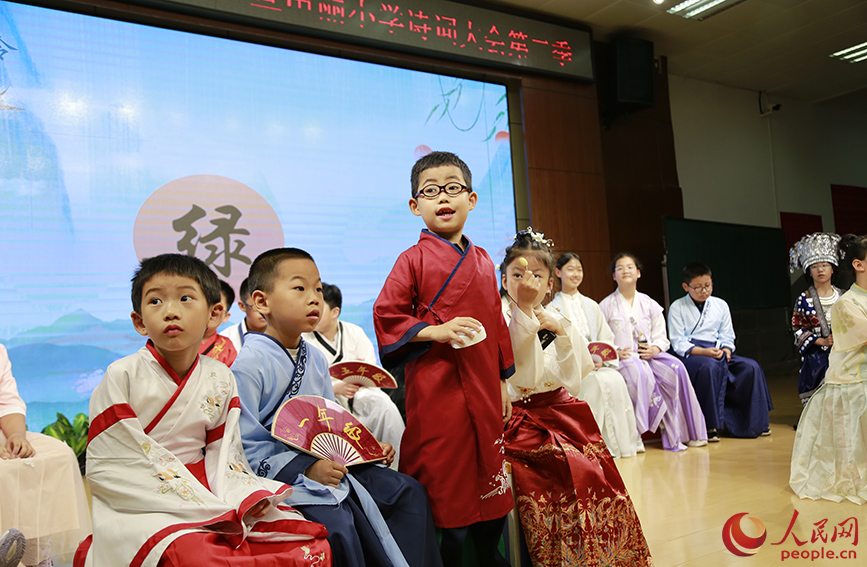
{"x":73,"y":434}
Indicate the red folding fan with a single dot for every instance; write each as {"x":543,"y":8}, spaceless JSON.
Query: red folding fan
{"x":324,"y":429}
{"x":363,"y":373}
{"x":602,"y":352}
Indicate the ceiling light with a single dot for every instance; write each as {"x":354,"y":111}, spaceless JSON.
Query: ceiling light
{"x":658,"y":1}
{"x":852,"y":54}
{"x":702,"y":9}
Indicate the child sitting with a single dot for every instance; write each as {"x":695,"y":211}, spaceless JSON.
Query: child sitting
{"x":165,"y":463}
{"x":731,"y":389}
{"x":252,"y":321}
{"x":375,"y":516}
{"x":214,"y":345}
{"x":574,"y":507}
{"x":342,"y":341}
{"x":41,"y":492}
{"x":828,"y":457}
{"x":603,"y":389}
{"x":658,"y":382}
{"x":441,"y":291}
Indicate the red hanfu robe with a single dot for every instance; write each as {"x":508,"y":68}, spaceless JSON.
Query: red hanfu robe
{"x":453,"y":443}
{"x":219,"y":348}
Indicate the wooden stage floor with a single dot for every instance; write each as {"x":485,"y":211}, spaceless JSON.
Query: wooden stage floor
{"x":684,"y":499}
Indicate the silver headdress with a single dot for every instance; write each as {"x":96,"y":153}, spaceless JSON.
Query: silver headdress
{"x":813,"y":248}
{"x":537,"y":236}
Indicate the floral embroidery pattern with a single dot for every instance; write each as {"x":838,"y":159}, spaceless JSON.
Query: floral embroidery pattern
{"x":590,"y":531}
{"x":215,"y":397}
{"x":315,"y":559}
{"x":575,"y":522}
{"x":171,"y":481}
{"x":500,"y":481}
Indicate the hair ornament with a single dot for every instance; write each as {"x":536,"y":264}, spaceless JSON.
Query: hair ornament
{"x":814,"y":248}
{"x":535,"y":236}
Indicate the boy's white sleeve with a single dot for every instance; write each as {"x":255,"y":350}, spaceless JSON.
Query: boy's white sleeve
{"x":726,"y":330}
{"x":677,"y":330}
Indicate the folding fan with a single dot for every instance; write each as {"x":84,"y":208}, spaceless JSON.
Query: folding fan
{"x":602,"y":352}
{"x":363,"y":373}
{"x":324,"y":429}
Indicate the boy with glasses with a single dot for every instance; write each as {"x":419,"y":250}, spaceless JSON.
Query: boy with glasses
{"x":731,"y":389}
{"x":253,"y":320}
{"x":439,"y":311}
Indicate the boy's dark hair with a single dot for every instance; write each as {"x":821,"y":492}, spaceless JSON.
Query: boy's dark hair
{"x":175,"y":265}
{"x":695,"y":270}
{"x":625,"y":255}
{"x":244,"y":290}
{"x":263,"y":271}
{"x":332,"y":296}
{"x":437,"y":159}
{"x":228,"y":292}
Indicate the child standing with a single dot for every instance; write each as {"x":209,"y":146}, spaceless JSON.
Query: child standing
{"x":574,"y":507}
{"x":214,"y":345}
{"x":342,"y":341}
{"x":658,"y":382}
{"x":816,"y":255}
{"x":375,"y":516}
{"x":603,"y":389}
{"x":165,"y":463}
{"x":829,"y":457}
{"x":443,"y":290}
{"x":731,"y":389}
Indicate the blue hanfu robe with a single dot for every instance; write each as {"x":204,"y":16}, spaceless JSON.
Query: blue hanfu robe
{"x":375,"y":516}
{"x":733,"y":394}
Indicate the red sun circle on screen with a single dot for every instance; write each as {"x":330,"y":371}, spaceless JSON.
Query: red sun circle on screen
{"x":217,"y":219}
{"x":737,"y":541}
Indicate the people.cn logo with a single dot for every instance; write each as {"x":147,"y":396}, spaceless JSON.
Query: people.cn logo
{"x":737,"y":541}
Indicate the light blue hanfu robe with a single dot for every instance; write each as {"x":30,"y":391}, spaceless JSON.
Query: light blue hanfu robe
{"x":733,"y":394}
{"x":375,"y":516}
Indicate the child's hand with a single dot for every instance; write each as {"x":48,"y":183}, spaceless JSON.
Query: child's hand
{"x":712,"y":352}
{"x":550,"y":322}
{"x":389,"y":453}
{"x":646,"y":352}
{"x":326,"y":472}
{"x":624,"y":352}
{"x":597,"y":364}
{"x":258,"y":510}
{"x":346,"y":389}
{"x":449,"y":330}
{"x":826,"y":342}
{"x":528,"y":292}
{"x":505,"y":402}
{"x":728,"y":353}
{"x":17,"y":446}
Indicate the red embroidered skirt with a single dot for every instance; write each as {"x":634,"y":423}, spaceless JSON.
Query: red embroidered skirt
{"x":573,"y":504}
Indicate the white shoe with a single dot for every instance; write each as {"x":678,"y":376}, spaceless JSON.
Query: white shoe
{"x":697,"y":443}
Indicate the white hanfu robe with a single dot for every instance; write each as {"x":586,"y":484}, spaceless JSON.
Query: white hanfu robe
{"x":373,"y":407}
{"x":236,"y":333}
{"x":829,"y":456}
{"x":604,"y":389}
{"x":147,"y":425}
